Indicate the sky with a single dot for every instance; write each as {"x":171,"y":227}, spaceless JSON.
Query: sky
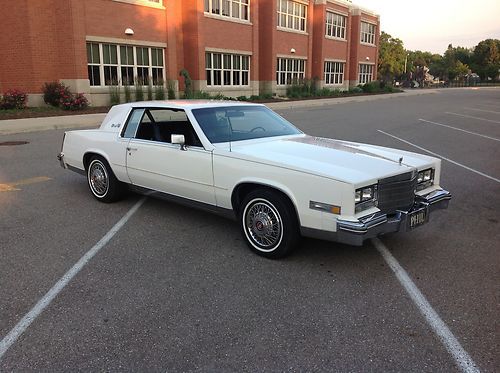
{"x":430,"y":25}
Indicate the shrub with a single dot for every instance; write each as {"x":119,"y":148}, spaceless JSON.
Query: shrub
{"x":242,"y":98}
{"x":53,"y":92}
{"x":139,"y":93}
{"x":159,"y":92}
{"x":371,"y":87}
{"x":305,"y":88}
{"x":114,"y":93}
{"x":13,"y":99}
{"x":74,"y":102}
{"x":128,"y":94}
{"x":266,"y":96}
{"x":150,"y":92}
{"x":188,"y":84}
{"x":355,"y":90}
{"x":170,"y":89}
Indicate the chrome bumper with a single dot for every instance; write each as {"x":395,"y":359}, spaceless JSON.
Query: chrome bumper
{"x":354,"y":233}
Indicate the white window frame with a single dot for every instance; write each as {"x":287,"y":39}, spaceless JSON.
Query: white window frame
{"x":243,"y":72}
{"x":365,"y":73}
{"x":232,"y":9}
{"x":292,"y":15}
{"x":294,"y":70}
{"x":119,"y":66}
{"x":336,"y":25}
{"x":368,"y":31}
{"x":334,"y":72}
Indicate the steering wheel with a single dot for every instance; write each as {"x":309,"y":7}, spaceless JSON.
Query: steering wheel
{"x":258,"y":129}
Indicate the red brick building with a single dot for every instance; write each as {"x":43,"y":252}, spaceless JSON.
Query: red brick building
{"x":233,"y":47}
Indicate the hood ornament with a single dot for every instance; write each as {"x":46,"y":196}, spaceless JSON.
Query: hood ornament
{"x":400,"y":161}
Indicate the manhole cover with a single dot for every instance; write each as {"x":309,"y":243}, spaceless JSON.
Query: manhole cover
{"x":12,"y":143}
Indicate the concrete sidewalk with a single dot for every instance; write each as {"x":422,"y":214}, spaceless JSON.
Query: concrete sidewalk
{"x":13,"y":126}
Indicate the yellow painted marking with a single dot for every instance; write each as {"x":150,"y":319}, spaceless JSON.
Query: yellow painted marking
{"x":11,"y":187}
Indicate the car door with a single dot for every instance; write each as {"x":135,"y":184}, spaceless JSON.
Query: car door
{"x":155,"y":163}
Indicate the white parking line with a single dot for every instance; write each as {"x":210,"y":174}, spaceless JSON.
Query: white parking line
{"x":459,"y":129}
{"x":440,"y":156}
{"x":43,"y":303}
{"x":486,"y":111}
{"x":462,"y":358}
{"x":470,"y":116}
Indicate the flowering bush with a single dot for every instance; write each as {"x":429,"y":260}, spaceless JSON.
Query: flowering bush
{"x":13,"y":99}
{"x":53,"y":92}
{"x":73,"y":101}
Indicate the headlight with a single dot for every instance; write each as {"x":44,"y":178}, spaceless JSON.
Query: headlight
{"x":365,"y":197}
{"x":425,"y":179}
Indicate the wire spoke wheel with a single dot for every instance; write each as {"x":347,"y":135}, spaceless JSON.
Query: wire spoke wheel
{"x":98,"y":178}
{"x":263,"y":225}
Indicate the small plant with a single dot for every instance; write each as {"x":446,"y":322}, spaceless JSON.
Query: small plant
{"x":188,"y":84}
{"x":371,"y":87}
{"x":128,"y":94}
{"x":242,"y":98}
{"x":13,"y":99}
{"x":159,"y":91}
{"x":114,"y":93}
{"x":171,"y":89}
{"x":139,"y":93}
{"x":74,"y":102}
{"x":53,"y":92}
{"x":355,"y":90}
{"x":150,"y":92}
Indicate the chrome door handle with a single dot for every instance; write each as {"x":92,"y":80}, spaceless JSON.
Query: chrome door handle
{"x":131,"y":149}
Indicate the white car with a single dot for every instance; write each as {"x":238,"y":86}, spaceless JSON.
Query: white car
{"x":245,"y":161}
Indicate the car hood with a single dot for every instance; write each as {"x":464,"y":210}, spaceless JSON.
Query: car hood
{"x":340,"y":160}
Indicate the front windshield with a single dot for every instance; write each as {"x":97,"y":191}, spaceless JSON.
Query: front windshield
{"x":237,"y":123}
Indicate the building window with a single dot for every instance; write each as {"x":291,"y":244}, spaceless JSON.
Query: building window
{"x":334,"y":73}
{"x":292,"y":15}
{"x":229,"y":8}
{"x":290,"y":71}
{"x":365,"y":73}
{"x":368,"y":33}
{"x":94,"y":63}
{"x":112,"y":64}
{"x":227,"y":69}
{"x":335,"y":25}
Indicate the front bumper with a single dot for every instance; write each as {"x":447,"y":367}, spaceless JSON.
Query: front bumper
{"x":355,"y":232}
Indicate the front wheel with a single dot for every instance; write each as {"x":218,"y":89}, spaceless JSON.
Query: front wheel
{"x":269,"y":223}
{"x":102,"y":181}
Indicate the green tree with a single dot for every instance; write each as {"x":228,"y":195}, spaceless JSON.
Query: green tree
{"x":486,"y":58}
{"x":391,"y":59}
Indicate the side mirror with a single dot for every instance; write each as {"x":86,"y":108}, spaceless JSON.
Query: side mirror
{"x":179,"y":139}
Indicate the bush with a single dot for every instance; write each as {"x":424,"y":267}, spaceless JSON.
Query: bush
{"x":371,"y":87}
{"x":306,"y":88}
{"x":355,"y":90}
{"x":150,"y":92}
{"x":139,"y":93}
{"x":114,"y":94}
{"x":128,"y":94}
{"x":159,"y":92}
{"x":13,"y":99}
{"x":74,"y":102}
{"x":53,"y":92}
{"x":171,"y":89}
{"x":242,"y":98}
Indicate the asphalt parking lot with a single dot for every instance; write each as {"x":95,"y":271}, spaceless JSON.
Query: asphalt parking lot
{"x":177,"y":289}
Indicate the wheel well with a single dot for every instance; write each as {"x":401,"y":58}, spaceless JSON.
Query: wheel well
{"x":87,"y":157}
{"x":242,"y":190}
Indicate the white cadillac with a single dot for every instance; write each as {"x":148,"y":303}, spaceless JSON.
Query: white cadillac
{"x":245,"y":161}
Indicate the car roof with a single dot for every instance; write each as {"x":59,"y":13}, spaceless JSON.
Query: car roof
{"x":186,"y":104}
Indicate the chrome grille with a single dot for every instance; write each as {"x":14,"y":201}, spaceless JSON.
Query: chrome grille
{"x":397,"y":192}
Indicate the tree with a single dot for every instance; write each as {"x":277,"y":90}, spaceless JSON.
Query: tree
{"x":486,"y":58}
{"x":391,"y":59}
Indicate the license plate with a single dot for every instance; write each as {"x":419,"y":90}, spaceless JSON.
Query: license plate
{"x":417,"y":218}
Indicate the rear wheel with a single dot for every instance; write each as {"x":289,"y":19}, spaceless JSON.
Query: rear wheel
{"x":102,"y":181}
{"x":269,"y":223}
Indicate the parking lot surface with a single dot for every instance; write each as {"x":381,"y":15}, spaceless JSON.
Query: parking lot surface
{"x":176,"y":289}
